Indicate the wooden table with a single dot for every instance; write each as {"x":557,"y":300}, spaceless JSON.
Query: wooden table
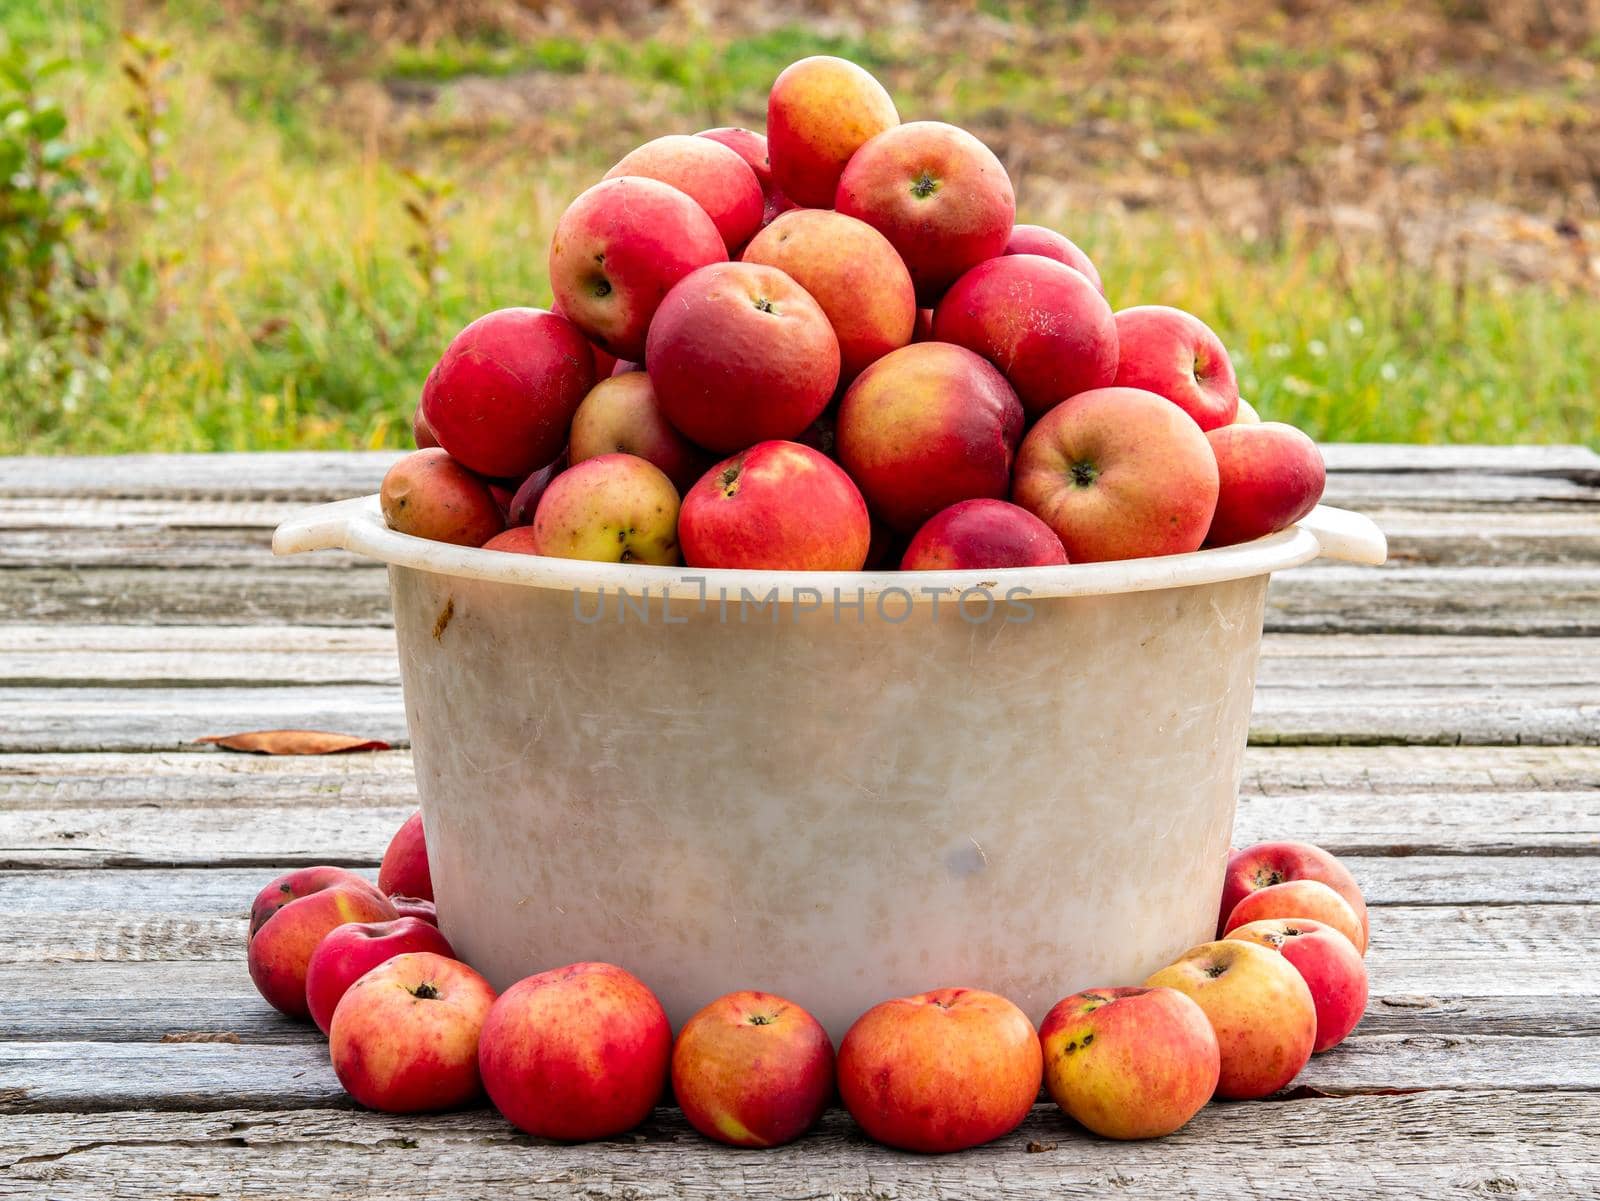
{"x":1436,"y":721}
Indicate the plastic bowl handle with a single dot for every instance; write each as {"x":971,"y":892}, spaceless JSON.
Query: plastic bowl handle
{"x":1346,"y":536}
{"x":326,"y":527}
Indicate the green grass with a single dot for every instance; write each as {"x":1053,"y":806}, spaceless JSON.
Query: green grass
{"x":454,"y":58}
{"x":265,"y":295}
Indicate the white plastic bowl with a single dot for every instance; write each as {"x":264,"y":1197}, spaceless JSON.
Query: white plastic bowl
{"x":840,"y":787}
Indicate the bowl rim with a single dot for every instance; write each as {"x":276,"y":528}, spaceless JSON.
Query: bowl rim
{"x":357,"y":525}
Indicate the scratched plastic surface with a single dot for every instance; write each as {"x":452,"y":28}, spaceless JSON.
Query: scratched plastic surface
{"x":833,"y":802}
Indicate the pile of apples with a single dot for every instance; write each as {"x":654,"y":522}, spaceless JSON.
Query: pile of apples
{"x":585,"y":1051}
{"x":829,"y":347}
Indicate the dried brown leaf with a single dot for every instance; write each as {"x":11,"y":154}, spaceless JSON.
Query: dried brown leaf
{"x":294,"y":742}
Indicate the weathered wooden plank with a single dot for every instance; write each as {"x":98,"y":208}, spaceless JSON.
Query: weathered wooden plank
{"x":263,"y":656}
{"x":314,"y":830}
{"x":74,"y":780}
{"x":1553,"y":600}
{"x":1576,"y":462}
{"x":345,"y":817}
{"x":86,"y":655}
{"x":1387,"y":771}
{"x":1550,"y":697}
{"x":1454,"y":925}
{"x":84,"y":1077}
{"x":274,"y":473}
{"x":76,"y":810}
{"x":172,"y":718}
{"x":1561,"y":715}
{"x":233,"y":783}
{"x":1501,"y":537}
{"x":292,"y":592}
{"x":1424,"y":1146}
{"x":1311,"y":688}
{"x":122,"y":1001}
{"x":1463,"y":490}
{"x":320,"y":473}
{"x":293,"y":475}
{"x":239,"y":519}
{"x":99,"y":532}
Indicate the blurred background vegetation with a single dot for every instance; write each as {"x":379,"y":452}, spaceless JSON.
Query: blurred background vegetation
{"x":255,"y":224}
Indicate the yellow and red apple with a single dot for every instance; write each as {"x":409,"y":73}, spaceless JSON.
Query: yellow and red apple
{"x":1260,"y":1009}
{"x":752,"y":1070}
{"x":940,"y":1071}
{"x":427,"y":494}
{"x":404,"y":1036}
{"x":1329,"y":964}
{"x":1129,"y":1062}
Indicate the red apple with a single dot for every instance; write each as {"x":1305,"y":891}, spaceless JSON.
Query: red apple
{"x":1118,"y":473}
{"x":281,"y":948}
{"x":748,"y":145}
{"x":621,"y":414}
{"x":926,"y":426}
{"x":819,"y":112}
{"x":415,"y":907}
{"x":752,"y":1070}
{"x":420,"y":433}
{"x":940,"y":1071}
{"x":1271,"y":476}
{"x":740,"y":353}
{"x":852,"y":272}
{"x":617,"y":251}
{"x":1129,"y":1062}
{"x":609,"y":509}
{"x":291,"y":886}
{"x":779,"y":506}
{"x":525,"y":500}
{"x":404,"y":1037}
{"x":938,"y":194}
{"x":752,"y":147}
{"x":1269,"y":863}
{"x":503,"y":394}
{"x":405,"y":861}
{"x":427,"y":494}
{"x":1260,"y":1008}
{"x":1327,"y":962}
{"x":1310,"y":899}
{"x":604,"y":361}
{"x":1175,"y":354}
{"x":713,"y":176}
{"x":1044,"y":325}
{"x":351,"y":951}
{"x":576,"y":1053}
{"x":518,"y":540}
{"x":1036,"y":239}
{"x":982,"y":534}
